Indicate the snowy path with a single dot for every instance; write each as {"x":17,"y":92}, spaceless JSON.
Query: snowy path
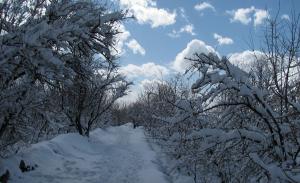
{"x":118,"y":154}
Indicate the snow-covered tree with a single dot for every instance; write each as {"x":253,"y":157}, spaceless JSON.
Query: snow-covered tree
{"x":254,"y":131}
{"x":87,"y":100}
{"x":49,"y":45}
{"x":239,"y":124}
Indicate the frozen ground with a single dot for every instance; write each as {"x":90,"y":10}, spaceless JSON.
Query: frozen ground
{"x":117,"y":154}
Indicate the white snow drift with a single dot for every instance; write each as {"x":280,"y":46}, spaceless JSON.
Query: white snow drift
{"x":117,"y":154}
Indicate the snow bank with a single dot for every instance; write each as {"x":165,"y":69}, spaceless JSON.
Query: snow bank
{"x":175,"y":175}
{"x":117,"y":154}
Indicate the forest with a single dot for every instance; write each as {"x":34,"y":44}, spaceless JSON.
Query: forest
{"x":233,"y":124}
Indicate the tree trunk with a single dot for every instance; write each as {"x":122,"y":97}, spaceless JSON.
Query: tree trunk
{"x":78,"y":125}
{"x":3,"y":128}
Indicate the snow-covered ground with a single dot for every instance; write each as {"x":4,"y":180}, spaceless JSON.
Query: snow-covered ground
{"x":170,"y":163}
{"x":117,"y":154}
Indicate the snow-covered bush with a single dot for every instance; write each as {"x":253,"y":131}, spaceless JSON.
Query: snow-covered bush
{"x":158,"y":100}
{"x":156,"y":104}
{"x":254,"y":135}
{"x":48,"y":47}
{"x":239,"y":125}
{"x":87,"y":100}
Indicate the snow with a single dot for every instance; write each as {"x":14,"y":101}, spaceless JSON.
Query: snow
{"x":176,"y":176}
{"x":285,"y":128}
{"x":273,"y":170}
{"x":116,"y":154}
{"x":297,"y":105}
{"x":175,"y":119}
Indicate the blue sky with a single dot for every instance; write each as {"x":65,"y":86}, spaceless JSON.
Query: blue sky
{"x":166,"y":31}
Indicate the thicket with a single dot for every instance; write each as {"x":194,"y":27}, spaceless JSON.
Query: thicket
{"x":57,"y":70}
{"x":232,"y":124}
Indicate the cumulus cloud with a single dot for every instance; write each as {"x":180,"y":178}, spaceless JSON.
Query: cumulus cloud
{"x":222,"y":40}
{"x":188,"y":28}
{"x":243,"y":15}
{"x":285,"y":16}
{"x":203,"y":6}
{"x":195,"y":46}
{"x":260,"y":16}
{"x":148,"y":69}
{"x":138,"y":2}
{"x":147,"y":82}
{"x":245,"y":60}
{"x":146,"y":11}
{"x":136,"y":47}
{"x":121,"y":38}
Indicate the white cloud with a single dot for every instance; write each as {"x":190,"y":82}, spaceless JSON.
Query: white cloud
{"x":183,"y":14}
{"x":121,"y":37}
{"x":203,"y":6}
{"x":241,"y":15}
{"x":148,"y":69}
{"x":195,"y":46}
{"x":131,"y":97}
{"x":136,"y":47}
{"x":146,"y":11}
{"x":285,"y":16}
{"x":188,"y":28}
{"x":245,"y":60}
{"x":138,"y":2}
{"x":260,"y":15}
{"x":147,"y":82}
{"x":222,"y":40}
{"x":174,"y":34}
